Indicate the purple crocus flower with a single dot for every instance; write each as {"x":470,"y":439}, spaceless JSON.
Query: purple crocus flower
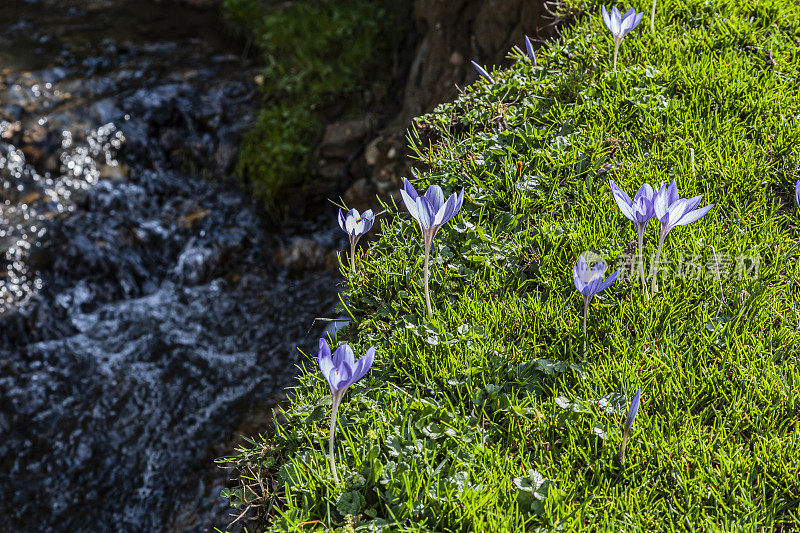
{"x":672,"y":210}
{"x":355,"y":225}
{"x":432,"y":212}
{"x":620,"y":26}
{"x":529,"y":48}
{"x":482,"y":72}
{"x":340,"y":371}
{"x":588,"y":282}
{"x":633,"y":410}
{"x":797,"y":193}
{"x":639,"y":210}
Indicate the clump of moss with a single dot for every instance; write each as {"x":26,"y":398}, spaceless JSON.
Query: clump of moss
{"x":316,"y":54}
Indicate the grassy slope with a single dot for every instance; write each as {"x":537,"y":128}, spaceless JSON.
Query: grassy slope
{"x":497,"y":386}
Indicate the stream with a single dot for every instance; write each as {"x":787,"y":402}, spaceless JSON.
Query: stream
{"x":142,"y":318}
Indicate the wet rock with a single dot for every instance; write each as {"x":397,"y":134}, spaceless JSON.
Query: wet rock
{"x":196,"y":264}
{"x":302,"y":254}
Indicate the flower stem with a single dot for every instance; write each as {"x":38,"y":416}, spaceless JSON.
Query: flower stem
{"x":353,"y":243}
{"x":653,"y":18}
{"x":427,"y":290}
{"x":337,"y":399}
{"x":621,"y":454}
{"x":661,"y":237}
{"x":641,"y":260}
{"x":617,"y":42}
{"x":586,"y":301}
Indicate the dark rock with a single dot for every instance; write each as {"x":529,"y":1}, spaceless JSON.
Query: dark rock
{"x":341,"y":139}
{"x":302,"y":254}
{"x":452,"y":32}
{"x":361,"y":195}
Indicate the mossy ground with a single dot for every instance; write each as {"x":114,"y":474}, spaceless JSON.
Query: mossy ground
{"x":316,"y":54}
{"x":490,"y":416}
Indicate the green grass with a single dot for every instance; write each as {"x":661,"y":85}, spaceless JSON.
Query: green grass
{"x":490,"y":417}
{"x":316,"y":54}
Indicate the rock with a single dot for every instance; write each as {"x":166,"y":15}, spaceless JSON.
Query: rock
{"x":390,"y":177}
{"x":373,"y":151}
{"x":302,"y":254}
{"x":361,"y":195}
{"x":451,"y":32}
{"x":386,"y":157}
{"x":332,"y":260}
{"x":341,"y":139}
{"x":195,"y":264}
{"x":329,"y":170}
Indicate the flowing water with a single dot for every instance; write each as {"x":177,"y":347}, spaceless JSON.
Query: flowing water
{"x":140,"y":312}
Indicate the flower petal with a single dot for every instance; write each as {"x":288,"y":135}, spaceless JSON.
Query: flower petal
{"x":324,"y":350}
{"x":529,"y":48}
{"x":363,"y":365}
{"x":609,"y":281}
{"x":646,"y":192}
{"x":693,"y":216}
{"x":351,"y":222}
{"x":637,"y":19}
{"x":616,"y":21}
{"x":633,"y":410}
{"x":676,"y":210}
{"x":692,"y":203}
{"x":410,"y":190}
{"x":797,"y":193}
{"x":411,"y":204}
{"x":435,"y":196}
{"x":339,"y":378}
{"x":482,"y":72}
{"x":426,"y":212}
{"x":661,"y":204}
{"x":672,"y":193}
{"x":580,"y":286}
{"x":324,"y":360}
{"x":594,"y":279}
{"x":343,"y":356}
{"x":577,"y":274}
{"x":369,"y":220}
{"x":446,"y":211}
{"x":607,"y":19}
{"x":642,"y":210}
{"x":627,"y":21}
{"x":622,"y":199}
{"x":460,"y":201}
